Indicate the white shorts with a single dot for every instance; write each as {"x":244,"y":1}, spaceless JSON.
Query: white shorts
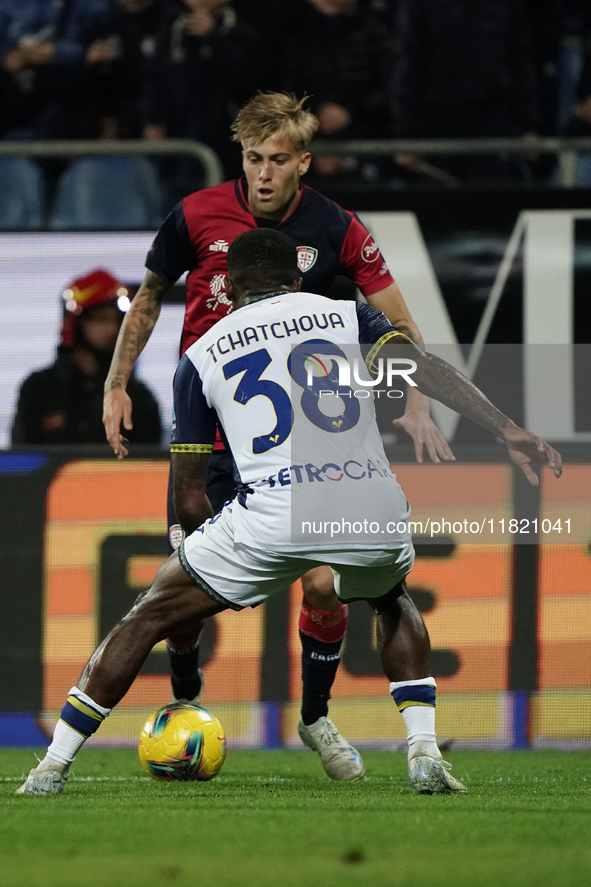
{"x":237,"y":576}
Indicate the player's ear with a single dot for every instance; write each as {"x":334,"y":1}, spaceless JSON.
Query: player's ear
{"x":305,"y":160}
{"x":230,"y":291}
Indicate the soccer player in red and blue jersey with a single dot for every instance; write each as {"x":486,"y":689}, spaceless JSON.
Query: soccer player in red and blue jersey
{"x":274,"y":130}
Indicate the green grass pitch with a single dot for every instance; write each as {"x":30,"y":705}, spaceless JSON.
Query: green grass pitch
{"x":273,"y":819}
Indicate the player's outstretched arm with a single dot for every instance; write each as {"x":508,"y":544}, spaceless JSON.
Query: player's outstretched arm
{"x":189,"y":479}
{"x":135,"y":331}
{"x":416,"y":421}
{"x":439,"y":379}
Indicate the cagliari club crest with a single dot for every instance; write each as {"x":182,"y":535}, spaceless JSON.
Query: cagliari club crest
{"x":307,"y":255}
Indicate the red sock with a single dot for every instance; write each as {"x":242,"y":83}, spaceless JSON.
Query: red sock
{"x":321,"y":635}
{"x":326,"y":627}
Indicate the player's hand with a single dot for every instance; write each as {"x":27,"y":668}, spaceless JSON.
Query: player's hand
{"x":117,"y":409}
{"x":420,"y":426}
{"x":525,"y":448}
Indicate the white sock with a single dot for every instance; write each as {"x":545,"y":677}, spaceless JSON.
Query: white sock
{"x":65,"y":745}
{"x":67,"y":742}
{"x":420,"y":729}
{"x":420,"y":682}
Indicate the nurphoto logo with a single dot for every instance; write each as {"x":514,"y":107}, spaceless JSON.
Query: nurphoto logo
{"x":386,"y":370}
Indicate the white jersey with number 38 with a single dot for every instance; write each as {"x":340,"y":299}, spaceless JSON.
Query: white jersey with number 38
{"x":306,"y":444}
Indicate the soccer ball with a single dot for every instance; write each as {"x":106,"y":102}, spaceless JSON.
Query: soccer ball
{"x":182,"y":742}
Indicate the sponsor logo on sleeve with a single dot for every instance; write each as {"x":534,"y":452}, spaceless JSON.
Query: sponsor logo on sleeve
{"x":369,"y":250}
{"x":219,"y":246}
{"x":307,"y":256}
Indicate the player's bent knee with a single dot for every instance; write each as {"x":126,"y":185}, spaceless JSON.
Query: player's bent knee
{"x":322,"y":599}
{"x":318,"y":588}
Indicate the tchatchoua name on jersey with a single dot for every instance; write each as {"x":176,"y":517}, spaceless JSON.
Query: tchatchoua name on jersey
{"x":281,"y":329}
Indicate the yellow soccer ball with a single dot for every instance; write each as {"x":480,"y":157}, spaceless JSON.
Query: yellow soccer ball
{"x":182,"y":742}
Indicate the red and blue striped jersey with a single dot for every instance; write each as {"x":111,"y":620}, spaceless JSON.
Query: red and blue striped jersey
{"x":196,"y":235}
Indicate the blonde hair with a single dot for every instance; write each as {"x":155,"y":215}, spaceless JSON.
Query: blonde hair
{"x":278,"y":115}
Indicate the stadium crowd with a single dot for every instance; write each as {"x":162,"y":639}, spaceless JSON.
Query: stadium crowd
{"x":373,"y":68}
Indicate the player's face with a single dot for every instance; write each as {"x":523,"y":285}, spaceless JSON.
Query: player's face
{"x":273,"y":169}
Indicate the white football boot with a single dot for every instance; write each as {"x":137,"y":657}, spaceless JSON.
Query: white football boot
{"x":48,"y":778}
{"x":430,"y":776}
{"x":340,"y":760}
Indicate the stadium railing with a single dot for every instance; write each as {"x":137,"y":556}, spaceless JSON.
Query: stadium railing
{"x":567,"y":150}
{"x":212,"y":167}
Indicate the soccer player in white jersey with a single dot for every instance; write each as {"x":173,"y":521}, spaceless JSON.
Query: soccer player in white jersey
{"x":299,"y":458}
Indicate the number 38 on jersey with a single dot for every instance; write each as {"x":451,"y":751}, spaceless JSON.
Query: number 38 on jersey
{"x":315,"y":353}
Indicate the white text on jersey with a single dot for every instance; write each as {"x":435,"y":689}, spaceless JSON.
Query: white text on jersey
{"x":281,"y":329}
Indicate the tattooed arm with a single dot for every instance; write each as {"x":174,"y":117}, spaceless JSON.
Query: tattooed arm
{"x":439,"y":379}
{"x":135,"y":331}
{"x":189,"y":478}
{"x":416,"y":420}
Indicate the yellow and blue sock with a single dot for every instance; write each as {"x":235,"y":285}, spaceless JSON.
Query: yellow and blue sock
{"x":415,"y":701}
{"x":80,"y":717}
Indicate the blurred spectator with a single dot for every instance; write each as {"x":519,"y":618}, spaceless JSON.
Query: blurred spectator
{"x":582,"y":110}
{"x":63,"y":403}
{"x":336,"y":51}
{"x":581,"y":124}
{"x":575,"y":73}
{"x":546,"y":19}
{"x":580,"y":114}
{"x":116,"y":66}
{"x":42,"y":45}
{"x":569,"y":68}
{"x":464,"y":69}
{"x":255,"y":12}
{"x":205,"y":65}
{"x":387,"y":10}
